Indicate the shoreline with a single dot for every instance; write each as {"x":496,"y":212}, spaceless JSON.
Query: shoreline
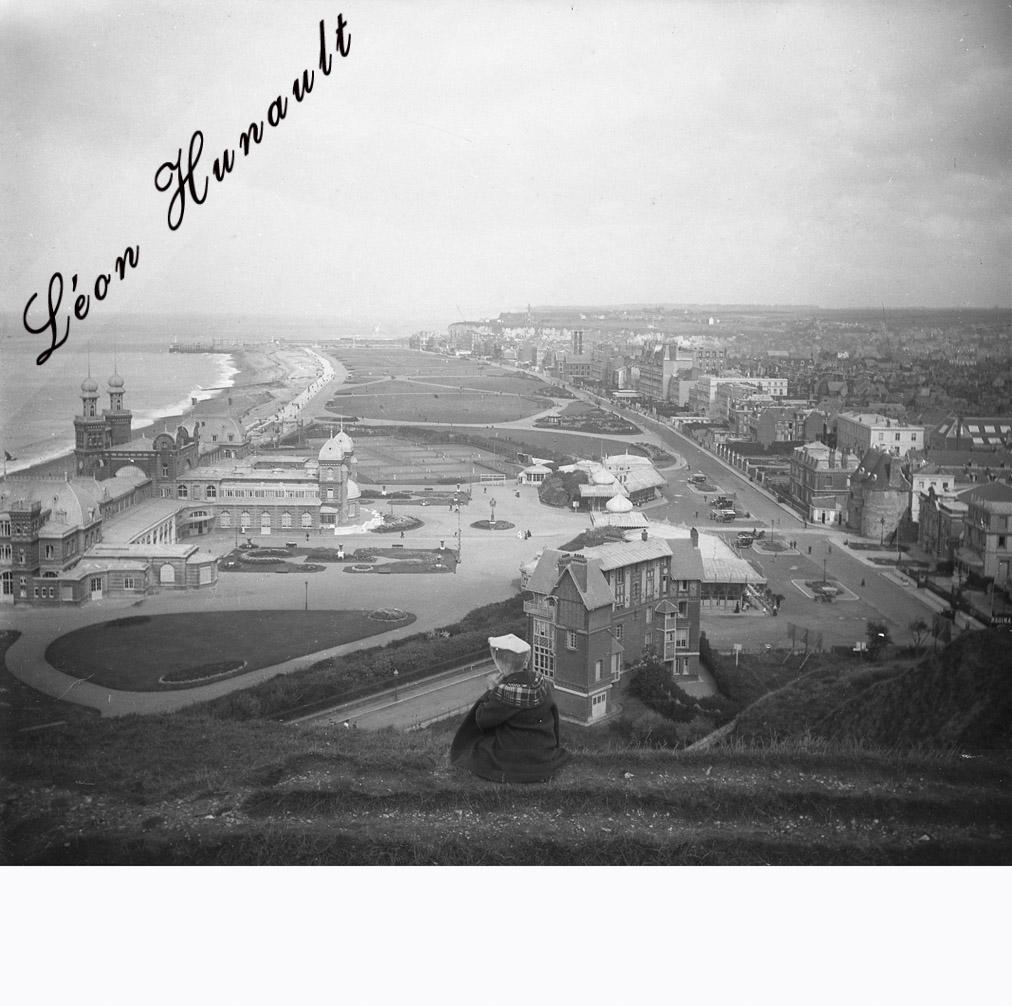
{"x":255,"y":374}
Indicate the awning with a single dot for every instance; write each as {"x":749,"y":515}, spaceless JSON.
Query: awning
{"x":967,"y":557}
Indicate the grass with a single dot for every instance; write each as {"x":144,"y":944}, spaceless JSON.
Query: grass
{"x":188,"y":789}
{"x":133,"y":654}
{"x":410,"y":401}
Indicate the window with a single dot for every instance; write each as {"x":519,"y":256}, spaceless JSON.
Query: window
{"x":683,"y":608}
{"x":51,"y":592}
{"x":182,"y":491}
{"x":6,"y":552}
{"x":619,"y":629}
{"x":225,"y":519}
{"x":620,"y":590}
{"x":211,"y":492}
{"x":1001,"y":541}
{"x":616,"y":666}
{"x":570,"y":640}
{"x":286,"y":519}
{"x":597,"y":670}
{"x":897,"y":436}
{"x":36,"y":591}
{"x":5,"y":528}
{"x":129,"y":583}
{"x":634,"y":596}
{"x":165,"y":471}
{"x":649,"y":615}
{"x":307,"y":520}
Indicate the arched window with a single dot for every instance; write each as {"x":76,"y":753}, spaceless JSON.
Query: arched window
{"x":211,"y":492}
{"x":167,"y":574}
{"x":307,"y":520}
{"x":286,"y":519}
{"x":244,"y":520}
{"x":182,"y":491}
{"x":225,"y":519}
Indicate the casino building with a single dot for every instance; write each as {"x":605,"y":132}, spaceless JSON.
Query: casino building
{"x":121,"y":525}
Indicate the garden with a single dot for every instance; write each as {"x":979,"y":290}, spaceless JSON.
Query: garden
{"x":147,"y":653}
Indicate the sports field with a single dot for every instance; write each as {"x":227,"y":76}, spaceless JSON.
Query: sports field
{"x":393,"y":460}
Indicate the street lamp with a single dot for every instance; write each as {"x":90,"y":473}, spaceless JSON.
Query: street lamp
{"x":307,"y":596}
{"x":824,"y":571}
{"x":395,"y":684}
{"x":491,"y":504}
{"x":881,"y":537}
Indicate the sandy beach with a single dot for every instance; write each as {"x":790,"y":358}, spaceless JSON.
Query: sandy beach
{"x":265,"y":380}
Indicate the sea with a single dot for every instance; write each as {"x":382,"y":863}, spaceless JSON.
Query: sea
{"x":38,"y":404}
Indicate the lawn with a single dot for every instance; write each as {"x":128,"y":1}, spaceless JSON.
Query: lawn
{"x":133,"y":653}
{"x":408,"y":401}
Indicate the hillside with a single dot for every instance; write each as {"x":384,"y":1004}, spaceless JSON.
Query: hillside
{"x":960,"y":698}
{"x":191,"y":788}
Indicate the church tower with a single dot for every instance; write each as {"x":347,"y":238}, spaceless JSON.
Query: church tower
{"x":119,"y":419}
{"x":91,"y":433}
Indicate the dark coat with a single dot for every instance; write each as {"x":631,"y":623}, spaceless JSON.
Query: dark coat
{"x":507,"y":743}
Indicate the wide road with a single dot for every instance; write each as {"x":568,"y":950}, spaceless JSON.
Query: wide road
{"x":881,"y":593}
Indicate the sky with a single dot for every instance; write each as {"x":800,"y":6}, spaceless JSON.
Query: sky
{"x":467,"y":159}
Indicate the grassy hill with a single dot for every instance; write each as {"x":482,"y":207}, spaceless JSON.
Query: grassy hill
{"x":960,"y":697}
{"x":192,"y":788}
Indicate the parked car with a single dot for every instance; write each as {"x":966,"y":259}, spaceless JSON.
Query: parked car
{"x":744,"y":540}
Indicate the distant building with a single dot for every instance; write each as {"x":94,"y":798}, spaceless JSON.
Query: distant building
{"x":941,"y":524}
{"x":820,"y":482}
{"x":859,"y":432}
{"x":956,"y":433}
{"x":660,"y":365}
{"x":879,"y":496}
{"x":987,"y":543}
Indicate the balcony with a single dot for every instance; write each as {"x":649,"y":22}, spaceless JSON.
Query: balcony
{"x":540,"y":608}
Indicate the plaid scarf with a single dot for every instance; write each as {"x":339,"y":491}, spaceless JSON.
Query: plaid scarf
{"x":523,"y":694}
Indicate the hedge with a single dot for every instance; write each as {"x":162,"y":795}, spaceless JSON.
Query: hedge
{"x":365,"y":672}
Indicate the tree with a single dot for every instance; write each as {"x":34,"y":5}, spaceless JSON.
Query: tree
{"x":878,"y":637}
{"x":919,"y":631}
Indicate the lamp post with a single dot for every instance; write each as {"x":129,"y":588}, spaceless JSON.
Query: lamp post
{"x":491,"y":504}
{"x":881,"y":536}
{"x":307,"y":596}
{"x":824,"y":581}
{"x":395,"y":684}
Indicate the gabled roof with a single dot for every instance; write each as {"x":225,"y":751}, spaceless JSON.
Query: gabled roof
{"x":586,"y":577}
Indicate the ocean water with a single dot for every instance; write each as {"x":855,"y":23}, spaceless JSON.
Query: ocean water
{"x":38,"y":404}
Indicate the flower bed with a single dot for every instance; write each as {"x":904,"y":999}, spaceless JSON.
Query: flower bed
{"x":389,"y":615}
{"x":203,"y":672}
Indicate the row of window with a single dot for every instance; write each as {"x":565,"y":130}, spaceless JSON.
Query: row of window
{"x":266,"y":519}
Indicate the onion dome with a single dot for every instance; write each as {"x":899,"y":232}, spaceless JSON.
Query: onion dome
{"x":89,"y":385}
{"x":337,"y":447}
{"x":115,"y":382}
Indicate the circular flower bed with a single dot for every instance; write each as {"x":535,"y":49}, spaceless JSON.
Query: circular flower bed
{"x":499,"y":525}
{"x":262,"y":553}
{"x":262,"y":560}
{"x":359,"y":568}
{"x":309,"y":567}
{"x":389,"y":615}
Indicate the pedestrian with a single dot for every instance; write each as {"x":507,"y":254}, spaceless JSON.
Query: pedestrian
{"x":307,"y":536}
{"x":402,"y":534}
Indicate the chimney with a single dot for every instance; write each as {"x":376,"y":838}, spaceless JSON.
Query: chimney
{"x":564,"y":560}
{"x":694,"y":537}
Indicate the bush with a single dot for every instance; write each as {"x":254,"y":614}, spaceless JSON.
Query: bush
{"x":652,"y":684}
{"x":364,"y":672}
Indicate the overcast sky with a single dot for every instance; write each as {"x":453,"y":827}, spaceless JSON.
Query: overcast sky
{"x":466,"y":158}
